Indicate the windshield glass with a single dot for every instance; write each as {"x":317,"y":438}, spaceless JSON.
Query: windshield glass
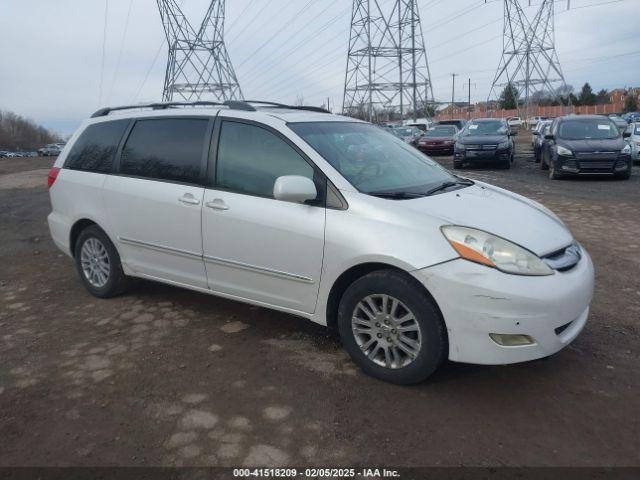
{"x":598,"y":129}
{"x":370,"y":159}
{"x":493,"y":127}
{"x":442,"y":132}
{"x":405,"y":132}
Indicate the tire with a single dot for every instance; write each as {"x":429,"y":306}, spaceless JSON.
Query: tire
{"x":553,"y":172}
{"x":543,"y":165}
{"x":507,"y":164}
{"x":425,"y":328}
{"x":457,"y":165}
{"x":626,"y":175}
{"x":99,"y":249}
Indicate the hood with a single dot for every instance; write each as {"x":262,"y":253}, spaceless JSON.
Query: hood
{"x":483,"y":139}
{"x":497,"y":211}
{"x":609,"y":145}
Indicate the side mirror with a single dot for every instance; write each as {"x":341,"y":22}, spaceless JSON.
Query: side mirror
{"x":549,"y":137}
{"x":626,"y":135}
{"x":535,"y":133}
{"x":294,"y":188}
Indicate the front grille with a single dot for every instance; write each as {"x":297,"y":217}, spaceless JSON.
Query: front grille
{"x":562,"y":328}
{"x":597,"y":155}
{"x":489,"y":147}
{"x":597,"y":165}
{"x":481,"y":147}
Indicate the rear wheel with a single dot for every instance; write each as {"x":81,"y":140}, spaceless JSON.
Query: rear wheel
{"x":98,"y":263}
{"x":391,"y":328}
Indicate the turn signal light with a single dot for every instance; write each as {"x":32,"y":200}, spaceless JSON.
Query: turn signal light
{"x":507,"y":340}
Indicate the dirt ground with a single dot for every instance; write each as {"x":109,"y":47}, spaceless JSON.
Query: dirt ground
{"x":163,"y":376}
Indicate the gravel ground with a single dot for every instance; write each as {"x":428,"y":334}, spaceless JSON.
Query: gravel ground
{"x":163,"y":376}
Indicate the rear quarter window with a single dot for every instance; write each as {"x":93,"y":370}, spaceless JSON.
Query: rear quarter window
{"x":95,"y":149}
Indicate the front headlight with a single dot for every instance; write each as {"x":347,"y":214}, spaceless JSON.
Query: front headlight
{"x":564,"y":151}
{"x":487,"y":249}
{"x":626,"y":150}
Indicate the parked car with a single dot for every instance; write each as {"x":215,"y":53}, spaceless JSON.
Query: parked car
{"x":50,"y":151}
{"x":532,"y":122}
{"x":586,"y":144}
{"x":535,"y":132}
{"x":440,"y":139}
{"x":634,"y":140}
{"x":423,"y":124}
{"x":409,"y":135}
{"x":485,"y":140}
{"x":632,"y":117}
{"x":324,"y":217}
{"x":542,"y":130}
{"x":514,"y":121}
{"x":3,"y":153}
{"x":621,"y":123}
{"x":459,"y":124}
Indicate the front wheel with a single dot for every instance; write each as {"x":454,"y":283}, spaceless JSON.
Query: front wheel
{"x":457,"y":165}
{"x":392,"y":328}
{"x":554,"y":174}
{"x":98,"y":263}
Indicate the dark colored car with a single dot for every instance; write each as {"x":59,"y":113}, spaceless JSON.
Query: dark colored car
{"x":440,"y":139}
{"x":456,"y":123}
{"x":538,"y":138}
{"x":485,"y":140}
{"x":586,"y":144}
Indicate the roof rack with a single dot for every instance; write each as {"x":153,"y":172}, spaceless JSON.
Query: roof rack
{"x":232,"y":104}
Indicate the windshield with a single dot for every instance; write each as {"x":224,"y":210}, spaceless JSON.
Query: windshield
{"x":370,"y":159}
{"x":596,"y":129}
{"x":495,"y":127}
{"x":442,"y":132}
{"x":405,"y":132}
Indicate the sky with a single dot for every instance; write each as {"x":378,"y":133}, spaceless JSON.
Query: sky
{"x":58,"y":62}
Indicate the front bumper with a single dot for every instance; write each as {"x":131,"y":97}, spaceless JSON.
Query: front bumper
{"x":594,"y":165}
{"x":476,"y":301}
{"x":482,"y":155}
{"x":439,"y":148}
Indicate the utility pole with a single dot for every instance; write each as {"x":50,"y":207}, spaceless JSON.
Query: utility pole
{"x":453,"y":93}
{"x":469,"y":106}
{"x":386,"y":62}
{"x":529,"y":62}
{"x":198,"y":65}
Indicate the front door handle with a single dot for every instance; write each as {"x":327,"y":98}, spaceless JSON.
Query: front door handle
{"x":189,"y":199}
{"x":217,"y":204}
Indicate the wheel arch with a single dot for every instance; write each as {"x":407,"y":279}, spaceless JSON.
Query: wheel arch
{"x":77,"y":228}
{"x":355,"y":272}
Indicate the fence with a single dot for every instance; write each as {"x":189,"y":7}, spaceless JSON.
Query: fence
{"x":557,"y":111}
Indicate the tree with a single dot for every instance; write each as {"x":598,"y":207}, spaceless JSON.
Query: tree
{"x":509,"y":97}
{"x":587,"y":97}
{"x":630,"y":103}
{"x":602,"y":97}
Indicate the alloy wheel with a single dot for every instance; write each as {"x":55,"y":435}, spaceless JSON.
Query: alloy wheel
{"x":94,"y":260}
{"x":386,"y":331}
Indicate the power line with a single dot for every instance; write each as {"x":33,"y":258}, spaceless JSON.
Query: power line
{"x":124,"y":36}
{"x":104,"y":49}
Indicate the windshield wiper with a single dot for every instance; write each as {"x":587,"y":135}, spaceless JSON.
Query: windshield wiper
{"x":397,"y":195}
{"x":449,"y":184}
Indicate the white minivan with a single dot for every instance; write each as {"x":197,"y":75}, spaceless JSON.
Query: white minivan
{"x":324,"y":217}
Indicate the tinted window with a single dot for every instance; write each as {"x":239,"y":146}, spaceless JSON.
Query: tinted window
{"x":250,"y":159}
{"x":166,"y":149}
{"x":96,"y":147}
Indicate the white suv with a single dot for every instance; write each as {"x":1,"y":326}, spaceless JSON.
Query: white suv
{"x":324,"y":217}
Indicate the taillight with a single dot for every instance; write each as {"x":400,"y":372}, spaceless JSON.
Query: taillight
{"x":53,"y":174}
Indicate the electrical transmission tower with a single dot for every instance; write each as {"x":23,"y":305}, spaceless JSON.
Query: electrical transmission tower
{"x":387,"y":65}
{"x":198,"y":66}
{"x":529,"y":61}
